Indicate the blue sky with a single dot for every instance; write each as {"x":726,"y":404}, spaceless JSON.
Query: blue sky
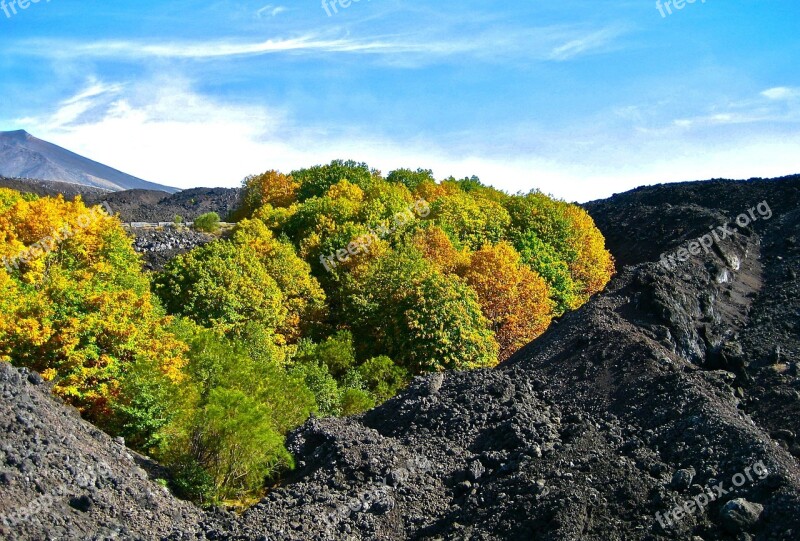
{"x":579,"y":98}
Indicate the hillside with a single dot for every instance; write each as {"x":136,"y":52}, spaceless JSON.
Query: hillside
{"x":24,"y":156}
{"x":672,"y":383}
{"x":155,"y":206}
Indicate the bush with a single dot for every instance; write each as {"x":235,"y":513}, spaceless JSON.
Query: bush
{"x":383,"y":378}
{"x":208,"y":223}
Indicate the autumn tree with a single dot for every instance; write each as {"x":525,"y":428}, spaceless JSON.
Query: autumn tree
{"x":570,"y":231}
{"x":512,"y":296}
{"x":470,"y":221}
{"x":76,"y":305}
{"x":269,"y":188}
{"x":435,"y":246}
{"x":303,"y":297}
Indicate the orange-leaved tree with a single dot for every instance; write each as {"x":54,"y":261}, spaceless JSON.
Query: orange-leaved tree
{"x":512,"y":296}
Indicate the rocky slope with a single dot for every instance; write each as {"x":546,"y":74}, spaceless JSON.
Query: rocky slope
{"x":677,"y":386}
{"x":159,"y":247}
{"x":61,"y":478}
{"x":154,"y":206}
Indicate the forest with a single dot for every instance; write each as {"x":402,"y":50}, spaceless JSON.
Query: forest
{"x":336,"y":287}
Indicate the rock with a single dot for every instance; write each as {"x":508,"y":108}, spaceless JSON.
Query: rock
{"x":740,"y":515}
{"x":476,"y":470}
{"x":682,"y":479}
{"x":82,"y":503}
{"x":435,"y":383}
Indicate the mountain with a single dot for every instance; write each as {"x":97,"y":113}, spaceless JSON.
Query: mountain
{"x":667,"y":407}
{"x":26,"y":157}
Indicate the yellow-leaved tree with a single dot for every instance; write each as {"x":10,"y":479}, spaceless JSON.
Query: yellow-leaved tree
{"x":75,"y":304}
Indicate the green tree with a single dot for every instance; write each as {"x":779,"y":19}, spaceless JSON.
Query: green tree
{"x":222,"y":285}
{"x":229,"y":436}
{"x":545,"y":260}
{"x":315,"y":181}
{"x":426,"y":321}
{"x":208,"y":222}
{"x":411,"y":179}
{"x":383,"y":378}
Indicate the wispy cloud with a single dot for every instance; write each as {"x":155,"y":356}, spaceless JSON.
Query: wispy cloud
{"x":166,"y":131}
{"x":542,"y":44}
{"x":774,"y":105}
{"x":270,"y":10}
{"x":594,"y":42}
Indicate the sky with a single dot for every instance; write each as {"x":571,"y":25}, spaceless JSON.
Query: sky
{"x":577,"y":98}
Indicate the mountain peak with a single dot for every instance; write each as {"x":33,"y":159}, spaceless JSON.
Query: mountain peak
{"x":20,"y":135}
{"x":24,"y":156}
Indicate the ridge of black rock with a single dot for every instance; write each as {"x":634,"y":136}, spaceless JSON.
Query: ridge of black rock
{"x":667,"y":385}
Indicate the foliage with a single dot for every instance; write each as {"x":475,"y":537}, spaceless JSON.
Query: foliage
{"x":327,"y":297}
{"x":383,"y":377}
{"x":571,"y":232}
{"x":544,"y":259}
{"x":411,"y":179}
{"x":315,"y":181}
{"x":269,"y":188}
{"x":424,"y":320}
{"x":512,"y":296}
{"x":234,"y":413}
{"x":434,"y":244}
{"x":208,"y":222}
{"x":303,"y":297}
{"x":470,"y":221}
{"x":78,"y":308}
{"x":222,"y":285}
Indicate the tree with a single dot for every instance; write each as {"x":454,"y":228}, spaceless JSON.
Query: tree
{"x":434,"y":244}
{"x":315,"y":181}
{"x":222,"y":285}
{"x":303,"y":297}
{"x":269,"y":188}
{"x":383,"y":378}
{"x":426,"y":321}
{"x":77,"y":306}
{"x":545,"y":260}
{"x":512,"y":296}
{"x":208,"y":222}
{"x":571,"y":232}
{"x":228,"y":438}
{"x":470,"y":221}
{"x":411,"y":179}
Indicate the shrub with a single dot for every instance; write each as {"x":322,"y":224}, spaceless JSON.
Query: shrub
{"x":208,"y":222}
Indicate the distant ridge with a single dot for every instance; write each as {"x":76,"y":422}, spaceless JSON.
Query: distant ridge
{"x":24,"y":156}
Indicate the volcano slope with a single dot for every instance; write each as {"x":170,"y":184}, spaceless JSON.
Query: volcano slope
{"x":676,"y":386}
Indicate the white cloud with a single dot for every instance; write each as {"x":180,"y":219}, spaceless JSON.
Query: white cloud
{"x":501,"y":44}
{"x":781,"y":93}
{"x":166,"y":132}
{"x":593,"y":42}
{"x":270,"y":10}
